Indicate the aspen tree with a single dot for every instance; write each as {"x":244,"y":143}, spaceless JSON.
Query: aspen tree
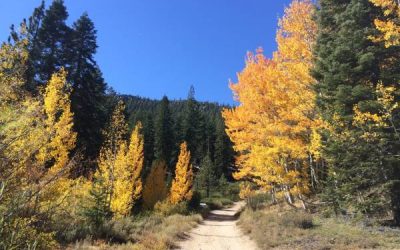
{"x":271,"y":127}
{"x":128,"y":168}
{"x":155,"y":187}
{"x":181,"y":189}
{"x":112,"y":156}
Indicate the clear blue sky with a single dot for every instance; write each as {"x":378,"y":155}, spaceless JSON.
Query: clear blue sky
{"x":156,"y":47}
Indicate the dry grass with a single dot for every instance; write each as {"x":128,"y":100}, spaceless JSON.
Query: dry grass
{"x":283,"y":228}
{"x":152,"y":232}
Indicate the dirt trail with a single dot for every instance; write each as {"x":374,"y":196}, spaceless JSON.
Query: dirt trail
{"x":218,"y":232}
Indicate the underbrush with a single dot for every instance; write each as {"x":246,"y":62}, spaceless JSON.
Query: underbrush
{"x":282,"y":227}
{"x":216,"y":201}
{"x":225,"y":194}
{"x":146,"y":232}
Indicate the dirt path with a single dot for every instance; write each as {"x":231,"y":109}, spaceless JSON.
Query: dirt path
{"x":218,"y":232}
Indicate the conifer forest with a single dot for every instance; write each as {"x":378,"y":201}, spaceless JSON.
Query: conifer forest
{"x":306,"y":156}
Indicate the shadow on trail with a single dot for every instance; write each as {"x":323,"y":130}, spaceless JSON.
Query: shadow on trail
{"x":221,"y":217}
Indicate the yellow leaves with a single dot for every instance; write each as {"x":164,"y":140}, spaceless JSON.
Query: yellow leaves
{"x":58,"y":122}
{"x":181,"y":189}
{"x":127,"y":174}
{"x":245,"y":191}
{"x":36,"y":139}
{"x":389,"y":6}
{"x":155,"y":188}
{"x":386,"y":97}
{"x":116,"y":131}
{"x":135,"y":158}
{"x":390,"y":32}
{"x":56,"y":95}
{"x":361,"y":118}
{"x":390,"y":27}
{"x":315,"y":144}
{"x":271,"y":128}
{"x":368,"y":121}
{"x":12,"y":69}
{"x":120,"y":164}
{"x":120,"y":193}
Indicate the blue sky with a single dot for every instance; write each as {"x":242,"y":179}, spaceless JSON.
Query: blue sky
{"x":156,"y":47}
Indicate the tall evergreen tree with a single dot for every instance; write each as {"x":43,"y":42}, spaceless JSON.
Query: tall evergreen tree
{"x":148,"y":133}
{"x":163,"y":141}
{"x":207,"y":176}
{"x":192,"y":126}
{"x":223,"y":150}
{"x":53,"y":42}
{"x":348,"y":66}
{"x":88,"y":95}
{"x":33,"y":27}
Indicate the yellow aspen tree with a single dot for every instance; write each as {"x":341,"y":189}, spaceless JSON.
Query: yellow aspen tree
{"x":59,"y":121}
{"x":181,"y":189}
{"x":120,"y":193}
{"x":390,"y":26}
{"x":127,"y":174}
{"x":135,"y":160}
{"x":271,"y":128}
{"x":112,"y":155}
{"x":155,"y":187}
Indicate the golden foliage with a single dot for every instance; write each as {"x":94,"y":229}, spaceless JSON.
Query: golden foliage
{"x":155,"y":187}
{"x":113,"y":164}
{"x":271,"y":128}
{"x":36,"y":138}
{"x":181,"y":189}
{"x":245,"y":191}
{"x":370,"y":122}
{"x":128,"y":169}
{"x":390,"y":27}
{"x":135,"y":158}
{"x":58,"y":121}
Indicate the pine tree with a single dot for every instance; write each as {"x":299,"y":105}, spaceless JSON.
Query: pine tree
{"x":33,"y":27}
{"x":163,"y":142}
{"x":88,"y":95}
{"x":348,"y":67}
{"x":97,"y":210}
{"x":223,"y":153}
{"x":181,"y":189}
{"x":192,"y":126}
{"x":207,"y":175}
{"x":148,"y":133}
{"x":155,"y":187}
{"x":53,"y":42}
{"x":52,"y":45}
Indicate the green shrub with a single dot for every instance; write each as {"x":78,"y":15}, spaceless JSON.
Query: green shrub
{"x":217,"y":202}
{"x":166,"y":208}
{"x":232,"y":191}
{"x":258,"y":200}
